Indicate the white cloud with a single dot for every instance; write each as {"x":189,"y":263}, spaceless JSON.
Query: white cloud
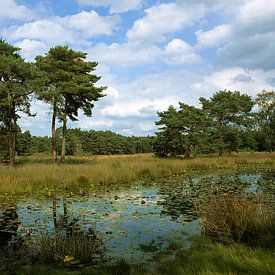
{"x":178,"y":51}
{"x":9,"y":9}
{"x":91,"y":123}
{"x":248,"y":41}
{"x":147,"y":126}
{"x":73,"y":29}
{"x":236,"y":78}
{"x":163,"y":19}
{"x":31,"y":48}
{"x":216,"y":36}
{"x":116,"y":6}
{"x":130,"y":53}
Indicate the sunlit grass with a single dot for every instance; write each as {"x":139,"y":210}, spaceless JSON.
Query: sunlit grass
{"x":36,"y":174}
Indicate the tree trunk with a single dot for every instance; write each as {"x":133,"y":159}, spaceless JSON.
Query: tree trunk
{"x":12,"y":143}
{"x":221,"y":149}
{"x":189,"y":151}
{"x":64,"y":133}
{"x":54,"y":133}
{"x":13,"y":134}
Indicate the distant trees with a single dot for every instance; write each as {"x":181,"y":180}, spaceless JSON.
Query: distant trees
{"x":84,"y":142}
{"x":69,"y":87}
{"x":224,"y":123}
{"x":16,"y":78}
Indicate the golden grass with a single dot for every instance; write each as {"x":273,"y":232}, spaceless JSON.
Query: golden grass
{"x":36,"y":174}
{"x":240,"y":218}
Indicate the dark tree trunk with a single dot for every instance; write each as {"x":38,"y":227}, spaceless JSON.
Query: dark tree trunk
{"x":54,"y":133}
{"x":64,"y":134}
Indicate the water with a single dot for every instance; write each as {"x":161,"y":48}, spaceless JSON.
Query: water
{"x":134,"y":223}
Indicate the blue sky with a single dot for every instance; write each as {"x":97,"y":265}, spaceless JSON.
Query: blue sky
{"x":151,"y":53}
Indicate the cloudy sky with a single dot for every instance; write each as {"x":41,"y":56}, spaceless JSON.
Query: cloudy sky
{"x":151,"y":53}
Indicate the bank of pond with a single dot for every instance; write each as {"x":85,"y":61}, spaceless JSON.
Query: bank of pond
{"x":178,"y":225}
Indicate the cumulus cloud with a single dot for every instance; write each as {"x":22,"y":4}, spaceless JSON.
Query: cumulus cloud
{"x":9,"y":9}
{"x":71,"y":29}
{"x":235,"y":78}
{"x":214,"y":37}
{"x":247,"y":41}
{"x":31,"y":48}
{"x":178,"y":51}
{"x":130,"y":53}
{"x":117,"y":6}
{"x":163,"y":19}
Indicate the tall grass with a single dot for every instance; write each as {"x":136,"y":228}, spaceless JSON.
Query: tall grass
{"x":76,"y":247}
{"x":38,"y":174}
{"x":241,"y":219}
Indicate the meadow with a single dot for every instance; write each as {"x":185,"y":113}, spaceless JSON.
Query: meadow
{"x":38,"y":175}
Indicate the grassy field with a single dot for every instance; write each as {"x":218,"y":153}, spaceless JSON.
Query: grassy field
{"x":36,"y":174}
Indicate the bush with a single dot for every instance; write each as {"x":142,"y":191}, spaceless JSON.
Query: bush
{"x":241,"y":219}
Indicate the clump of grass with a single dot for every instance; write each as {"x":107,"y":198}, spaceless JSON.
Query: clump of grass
{"x":71,"y":248}
{"x":241,"y":219}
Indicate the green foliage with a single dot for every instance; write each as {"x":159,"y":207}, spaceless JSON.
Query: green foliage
{"x":227,"y":110}
{"x":15,"y":90}
{"x":266,"y":118}
{"x":225,"y":123}
{"x":69,"y":86}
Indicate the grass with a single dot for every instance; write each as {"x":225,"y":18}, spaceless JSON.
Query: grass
{"x":206,"y":257}
{"x":36,"y":174}
{"x":240,"y":218}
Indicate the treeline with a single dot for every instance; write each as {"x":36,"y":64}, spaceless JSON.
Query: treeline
{"x":228,"y":121}
{"x":81,"y":142}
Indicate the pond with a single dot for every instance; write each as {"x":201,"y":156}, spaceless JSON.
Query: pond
{"x":134,"y":222}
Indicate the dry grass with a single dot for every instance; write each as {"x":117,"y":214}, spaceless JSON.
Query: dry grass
{"x":36,"y":174}
{"x":241,"y":219}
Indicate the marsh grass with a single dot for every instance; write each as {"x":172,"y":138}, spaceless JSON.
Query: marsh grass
{"x":35,"y":174}
{"x":241,"y":219}
{"x":74,"y":248}
{"x":207,"y":257}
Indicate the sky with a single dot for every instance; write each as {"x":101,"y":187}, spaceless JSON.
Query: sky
{"x":151,"y":53}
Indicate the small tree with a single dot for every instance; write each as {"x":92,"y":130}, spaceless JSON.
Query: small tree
{"x":16,"y":78}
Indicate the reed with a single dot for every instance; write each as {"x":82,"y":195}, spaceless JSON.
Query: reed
{"x":241,"y":219}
